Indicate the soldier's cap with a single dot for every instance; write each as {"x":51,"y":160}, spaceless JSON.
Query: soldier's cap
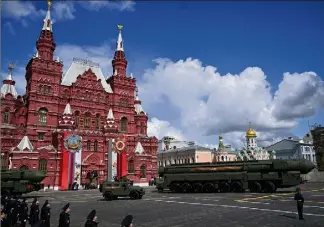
{"x":127,"y":221}
{"x":35,"y":200}
{"x":91,"y":215}
{"x":66,"y":206}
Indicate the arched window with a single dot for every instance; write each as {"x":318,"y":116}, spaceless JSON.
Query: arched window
{"x":143,"y":171}
{"x":40,"y":89}
{"x":87,"y":120}
{"x":142,"y":131}
{"x":42,"y":116}
{"x":77,"y":118}
{"x":193,"y":160}
{"x":3,"y":160}
{"x":95,"y":145}
{"x":123,"y":124}
{"x":131,"y":166}
{"x":6,"y":116}
{"x":23,"y":167}
{"x":88,"y":145}
{"x":98,"y":122}
{"x":42,"y":165}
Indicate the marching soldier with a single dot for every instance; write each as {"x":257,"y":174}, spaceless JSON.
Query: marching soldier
{"x":127,"y":221}
{"x":91,"y":220}
{"x":23,"y":213}
{"x":4,"y":220}
{"x":300,"y":203}
{"x":64,"y":220}
{"x":34,"y":212}
{"x":46,"y":214}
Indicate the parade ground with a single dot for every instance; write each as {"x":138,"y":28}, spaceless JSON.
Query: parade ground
{"x":197,"y":210}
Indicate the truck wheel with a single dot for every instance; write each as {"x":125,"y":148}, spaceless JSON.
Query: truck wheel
{"x":255,"y":187}
{"x":269,"y":187}
{"x":237,"y":186}
{"x":186,"y":187}
{"x":224,"y":187}
{"x":209,"y":187}
{"x":134,"y":195}
{"x":108,"y":196}
{"x":198,"y":187}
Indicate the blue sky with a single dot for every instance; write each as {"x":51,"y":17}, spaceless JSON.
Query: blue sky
{"x":277,"y":37}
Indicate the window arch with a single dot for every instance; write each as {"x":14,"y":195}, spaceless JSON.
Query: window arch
{"x":142,"y":131}
{"x":87,"y":120}
{"x":95,"y":145}
{"x":77,"y":118}
{"x":88,"y":145}
{"x":42,"y":165}
{"x":23,"y":167}
{"x":42,"y":116}
{"x":98,"y":121}
{"x":123,"y":124}
{"x":193,"y":160}
{"x":6,"y":116}
{"x":131,"y":166}
{"x":143,"y":171}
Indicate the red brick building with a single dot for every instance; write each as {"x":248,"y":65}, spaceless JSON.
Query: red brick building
{"x":94,"y":107}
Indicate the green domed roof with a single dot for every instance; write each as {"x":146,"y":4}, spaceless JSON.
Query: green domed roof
{"x":273,"y":152}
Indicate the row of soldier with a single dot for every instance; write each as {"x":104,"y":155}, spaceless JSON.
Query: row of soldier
{"x":14,"y":213}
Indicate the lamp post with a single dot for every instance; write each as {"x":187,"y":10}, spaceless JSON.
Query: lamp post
{"x":55,"y":172}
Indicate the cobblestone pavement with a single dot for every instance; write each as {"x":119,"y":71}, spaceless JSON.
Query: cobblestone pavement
{"x":197,"y":210}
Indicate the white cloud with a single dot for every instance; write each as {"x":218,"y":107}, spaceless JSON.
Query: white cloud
{"x":112,"y":5}
{"x":208,"y":102}
{"x":63,"y":11}
{"x":159,"y":128}
{"x":23,"y":10}
{"x":10,"y":28}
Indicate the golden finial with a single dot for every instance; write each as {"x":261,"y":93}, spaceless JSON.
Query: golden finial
{"x":49,"y":4}
{"x":120,"y":27}
{"x":11,"y":67}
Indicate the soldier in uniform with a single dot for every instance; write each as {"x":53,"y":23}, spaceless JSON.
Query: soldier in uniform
{"x":91,"y":220}
{"x":64,"y":220}
{"x":46,"y":214}
{"x":23,"y":213}
{"x":34,"y":212}
{"x":4,"y":220}
{"x":300,"y":203}
{"x":127,"y":221}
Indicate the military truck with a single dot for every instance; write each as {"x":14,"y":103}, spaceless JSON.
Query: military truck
{"x":257,"y":176}
{"x":18,"y":182}
{"x":112,"y":190}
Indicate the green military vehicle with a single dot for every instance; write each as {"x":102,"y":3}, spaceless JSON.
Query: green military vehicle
{"x":18,"y":182}
{"x":238,"y":176}
{"x":112,"y":190}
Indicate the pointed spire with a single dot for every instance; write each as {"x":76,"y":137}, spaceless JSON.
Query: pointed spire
{"x":25,"y":145}
{"x":120,"y":45}
{"x":67,"y":119}
{"x":67,"y":110}
{"x":119,"y":62}
{"x":47,"y":21}
{"x":139,"y":148}
{"x":8,"y":86}
{"x":110,"y":115}
{"x":110,"y":124}
{"x":138,"y":104}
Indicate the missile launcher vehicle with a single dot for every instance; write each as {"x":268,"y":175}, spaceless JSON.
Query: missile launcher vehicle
{"x":17,"y":182}
{"x":257,"y":176}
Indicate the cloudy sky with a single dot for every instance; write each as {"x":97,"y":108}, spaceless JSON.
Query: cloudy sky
{"x":202,"y":68}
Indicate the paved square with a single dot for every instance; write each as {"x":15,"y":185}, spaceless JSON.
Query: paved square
{"x":175,"y":210}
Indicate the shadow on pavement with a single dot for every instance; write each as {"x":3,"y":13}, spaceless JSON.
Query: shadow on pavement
{"x":288,"y":216}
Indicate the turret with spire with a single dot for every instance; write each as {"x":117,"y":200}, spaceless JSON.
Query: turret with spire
{"x":67,"y":121}
{"x":45,"y":43}
{"x":8,"y":86}
{"x":119,"y":62}
{"x":110,"y":125}
{"x":138,"y":104}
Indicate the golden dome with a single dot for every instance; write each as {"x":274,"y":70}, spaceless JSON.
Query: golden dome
{"x":251,"y":133}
